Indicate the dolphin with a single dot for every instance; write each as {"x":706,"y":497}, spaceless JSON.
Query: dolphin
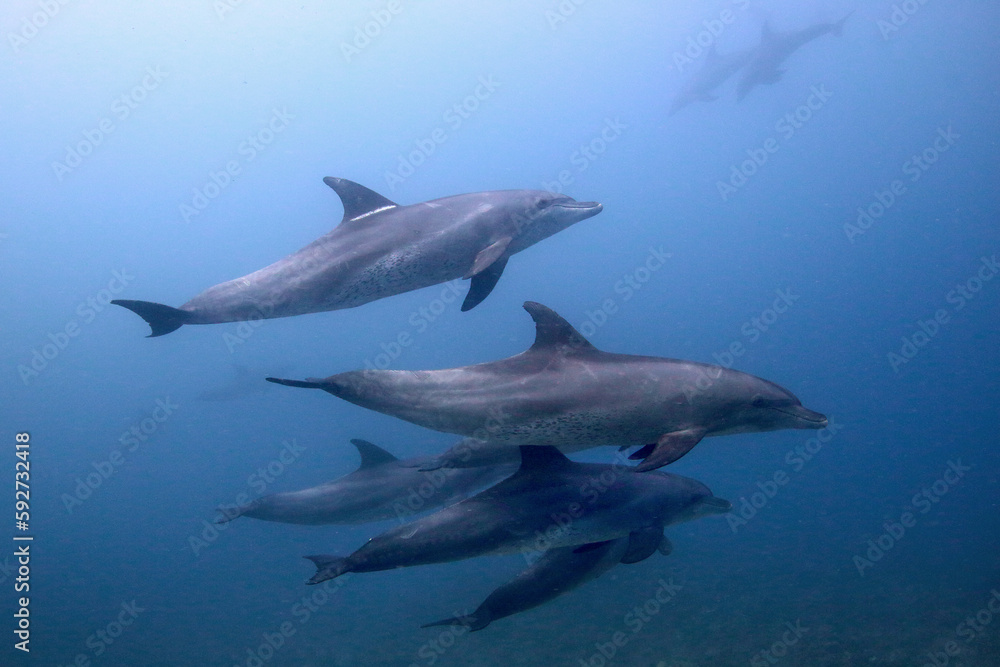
{"x":568,"y":503}
{"x":565,"y":392}
{"x":382,"y":488}
{"x":775,"y":47}
{"x":558,"y":572}
{"x":716,"y":70}
{"x":380,"y":249}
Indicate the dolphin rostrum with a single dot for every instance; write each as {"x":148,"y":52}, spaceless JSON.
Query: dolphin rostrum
{"x":765,"y":66}
{"x":558,"y":572}
{"x":565,"y":392}
{"x":568,"y":503}
{"x":382,"y":488}
{"x":380,"y":249}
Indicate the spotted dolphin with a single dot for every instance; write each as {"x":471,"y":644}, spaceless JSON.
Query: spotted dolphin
{"x":558,"y":572}
{"x":381,"y":249}
{"x":570,"y":503}
{"x":383,"y":487}
{"x":565,"y":392}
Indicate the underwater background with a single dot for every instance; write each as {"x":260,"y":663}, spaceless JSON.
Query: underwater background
{"x":153,"y":150}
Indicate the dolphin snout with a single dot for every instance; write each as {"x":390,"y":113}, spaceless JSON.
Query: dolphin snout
{"x":590,"y":207}
{"x":806,"y":418}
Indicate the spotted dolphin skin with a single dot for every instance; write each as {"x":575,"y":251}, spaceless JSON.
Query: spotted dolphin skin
{"x":565,"y":392}
{"x":382,"y":488}
{"x":381,"y":249}
{"x":547,"y":491}
{"x":558,"y":572}
{"x":775,"y":47}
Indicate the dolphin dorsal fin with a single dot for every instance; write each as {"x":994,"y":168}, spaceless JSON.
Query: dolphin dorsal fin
{"x":372,"y":455}
{"x":358,"y":200}
{"x":542,"y":457}
{"x":553,"y":333}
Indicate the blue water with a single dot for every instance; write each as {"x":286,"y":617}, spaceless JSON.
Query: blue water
{"x":198,"y":81}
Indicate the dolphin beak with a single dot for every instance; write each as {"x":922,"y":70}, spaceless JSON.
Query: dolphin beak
{"x":588,"y":209}
{"x":806,"y":417}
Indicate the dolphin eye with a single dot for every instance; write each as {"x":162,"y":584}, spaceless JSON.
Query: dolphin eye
{"x":543,"y":203}
{"x":758,"y":402}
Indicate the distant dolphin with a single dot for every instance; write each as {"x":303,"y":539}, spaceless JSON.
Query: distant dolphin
{"x":775,"y":48}
{"x":599,"y":502}
{"x":558,"y":572}
{"x":380,"y":249}
{"x":716,"y":70}
{"x":382,"y":488}
{"x":565,"y":392}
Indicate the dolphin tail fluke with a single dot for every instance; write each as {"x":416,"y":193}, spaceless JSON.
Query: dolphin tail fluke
{"x":472,"y":622}
{"x":327,"y":567}
{"x":229,"y":512}
{"x":670,"y":447}
{"x":308,"y":383}
{"x":161,"y":319}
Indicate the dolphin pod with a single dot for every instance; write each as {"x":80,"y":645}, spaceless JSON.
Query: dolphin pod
{"x":507,"y":517}
{"x":564,"y":392}
{"x":518,"y":417}
{"x":381,"y":249}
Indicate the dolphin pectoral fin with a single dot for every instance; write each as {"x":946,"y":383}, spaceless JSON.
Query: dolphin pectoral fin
{"x":642,"y":544}
{"x":482,"y":284}
{"x":665,"y":547}
{"x":670,"y":447}
{"x":161,"y":319}
{"x":327,"y":567}
{"x":359,"y":202}
{"x":372,"y":455}
{"x":487,"y":256}
{"x":642,"y":452}
{"x":476,"y":621}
